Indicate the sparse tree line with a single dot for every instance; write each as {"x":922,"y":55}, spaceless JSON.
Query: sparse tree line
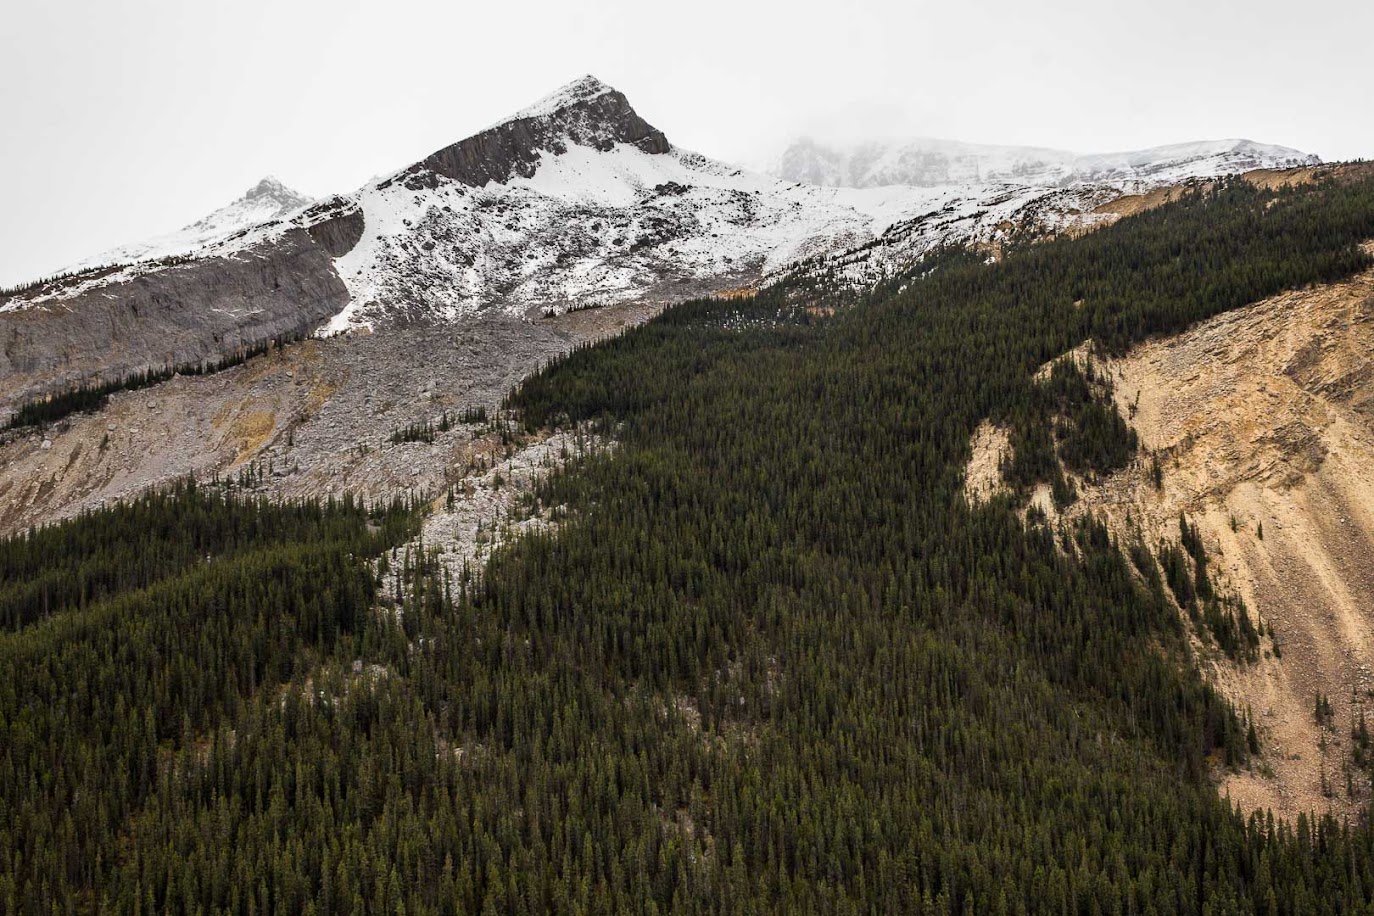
{"x":427,"y":430}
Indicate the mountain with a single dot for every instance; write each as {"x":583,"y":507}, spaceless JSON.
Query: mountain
{"x":571,"y":202}
{"x":969,"y":598}
{"x":925,"y":162}
{"x":576,"y":201}
{"x":267,"y":201}
{"x":705,"y":617}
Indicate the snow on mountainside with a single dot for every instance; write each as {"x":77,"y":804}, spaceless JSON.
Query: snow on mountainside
{"x":926,"y":162}
{"x":576,"y":200}
{"x":266,"y":201}
{"x":593,"y":227}
{"x":580,"y":90}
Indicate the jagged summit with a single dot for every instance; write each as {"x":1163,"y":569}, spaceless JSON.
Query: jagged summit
{"x":579,"y":90}
{"x":272,"y":188}
{"x":585,"y":112}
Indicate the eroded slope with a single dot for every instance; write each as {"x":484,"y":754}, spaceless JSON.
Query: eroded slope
{"x":1262,"y":420}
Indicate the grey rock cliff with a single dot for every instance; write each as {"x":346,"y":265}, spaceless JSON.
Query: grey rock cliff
{"x":594,"y":115}
{"x":339,"y":226}
{"x":187,"y":313}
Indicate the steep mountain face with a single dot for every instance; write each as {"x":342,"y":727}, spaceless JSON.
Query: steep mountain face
{"x":183,"y":312}
{"x":926,"y":162}
{"x":1260,"y":425}
{"x":588,"y":227}
{"x":577,"y":201}
{"x":584,"y":113}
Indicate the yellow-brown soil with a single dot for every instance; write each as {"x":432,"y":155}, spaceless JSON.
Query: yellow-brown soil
{"x":250,"y":430}
{"x":1262,"y":420}
{"x":1265,"y":417}
{"x":983,"y":476}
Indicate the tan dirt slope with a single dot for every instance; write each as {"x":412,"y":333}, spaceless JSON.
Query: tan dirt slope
{"x":1130,"y":204}
{"x":1263,"y":422}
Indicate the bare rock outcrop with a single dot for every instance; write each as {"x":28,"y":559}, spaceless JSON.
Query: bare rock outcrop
{"x":336,"y":224}
{"x":589,"y":113}
{"x":182,"y":314}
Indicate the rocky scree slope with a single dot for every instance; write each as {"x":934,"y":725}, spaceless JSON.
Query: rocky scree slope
{"x":312,"y":419}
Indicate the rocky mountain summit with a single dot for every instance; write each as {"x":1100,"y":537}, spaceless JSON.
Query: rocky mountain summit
{"x":584,"y":113}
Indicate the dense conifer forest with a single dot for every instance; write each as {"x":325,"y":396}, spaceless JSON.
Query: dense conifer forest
{"x":770,"y":661}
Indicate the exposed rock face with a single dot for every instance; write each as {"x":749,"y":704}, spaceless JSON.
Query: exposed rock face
{"x":282,"y":197}
{"x":187,"y":313}
{"x":1263,"y":423}
{"x":341,"y":229}
{"x":588,"y":113}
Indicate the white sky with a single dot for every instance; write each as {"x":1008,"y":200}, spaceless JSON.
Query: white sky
{"x":125,"y":119}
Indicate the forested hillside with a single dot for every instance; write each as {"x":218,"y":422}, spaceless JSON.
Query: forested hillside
{"x":770,"y":661}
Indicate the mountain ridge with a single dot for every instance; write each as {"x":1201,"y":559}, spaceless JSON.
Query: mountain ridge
{"x":590,"y":113}
{"x":936,"y":162}
{"x":267,"y":201}
{"x":574,"y":201}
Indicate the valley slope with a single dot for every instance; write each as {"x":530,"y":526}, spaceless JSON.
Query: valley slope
{"x":757,"y":652}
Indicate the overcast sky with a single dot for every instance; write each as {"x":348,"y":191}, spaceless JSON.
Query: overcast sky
{"x":124,"y":119}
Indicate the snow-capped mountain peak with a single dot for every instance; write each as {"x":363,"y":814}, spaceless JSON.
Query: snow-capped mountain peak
{"x":270,"y":188}
{"x":267,"y":201}
{"x":577,"y":200}
{"x":579,"y":90}
{"x":586,"y":112}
